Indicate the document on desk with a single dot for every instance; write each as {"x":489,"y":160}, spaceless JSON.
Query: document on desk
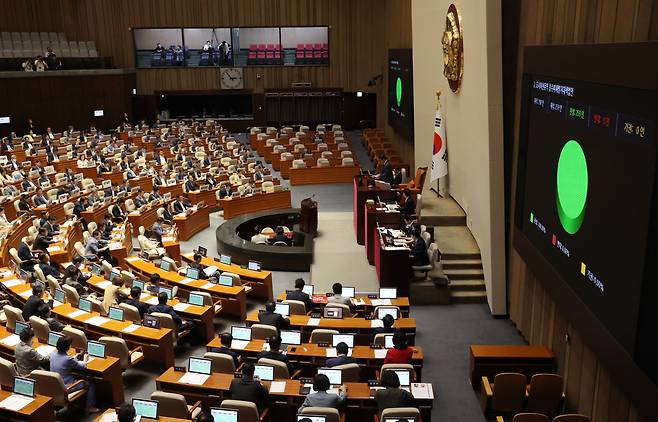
{"x":11,"y":340}
{"x":45,"y":350}
{"x":153,"y":300}
{"x":381,"y":302}
{"x":55,"y":248}
{"x":132,"y":258}
{"x":16,"y":402}
{"x":239,"y":344}
{"x":181,"y":306}
{"x":130,"y":328}
{"x":104,"y":284}
{"x":186,"y":281}
{"x":112,"y":417}
{"x":210,"y":270}
{"x":13,"y":282}
{"x":26,"y":293}
{"x":193,"y":378}
{"x":76,"y":313}
{"x":313,"y":322}
{"x":380,"y":353}
{"x":422,"y":390}
{"x":358,"y":302}
{"x":207,"y":286}
{"x":376,"y":323}
{"x":168,"y":238}
{"x":277,"y":387}
{"x":97,"y":321}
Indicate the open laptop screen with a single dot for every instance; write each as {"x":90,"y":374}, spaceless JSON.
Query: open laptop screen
{"x":146,"y":408}
{"x":224,"y":415}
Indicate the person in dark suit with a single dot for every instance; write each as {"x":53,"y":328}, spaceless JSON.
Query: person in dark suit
{"x":79,"y":206}
{"x":342,"y":359}
{"x":190,"y":184}
{"x":39,"y":199}
{"x":133,"y":300}
{"x":388,"y":322}
{"x":27,"y":184}
{"x":111,"y":191}
{"x":197,"y":264}
{"x":397,"y":177}
{"x":117,"y":212}
{"x":25,"y":254}
{"x":23,"y":205}
{"x":42,"y":241}
{"x":226,"y":339}
{"x":162,"y":307}
{"x":33,"y":302}
{"x":392,"y":395}
{"x":299,"y":295}
{"x":280,"y":236}
{"x":48,"y":221}
{"x":248,"y":389}
{"x":225,"y":191}
{"x":178,"y":206}
{"x":386,"y":174}
{"x":269,"y":317}
{"x":418,"y":252}
{"x":274,"y":353}
{"x":408,"y":204}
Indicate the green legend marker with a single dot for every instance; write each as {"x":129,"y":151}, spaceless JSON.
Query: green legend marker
{"x":572,"y":185}
{"x":532,"y":218}
{"x":398,"y":91}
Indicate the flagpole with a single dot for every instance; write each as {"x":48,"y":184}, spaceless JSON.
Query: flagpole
{"x":438,"y":181}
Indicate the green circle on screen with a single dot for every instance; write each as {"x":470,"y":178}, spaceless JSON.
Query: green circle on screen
{"x":398,"y":91}
{"x":572,"y":184}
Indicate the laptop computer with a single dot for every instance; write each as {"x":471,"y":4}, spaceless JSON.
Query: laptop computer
{"x":115,"y":313}
{"x":308,"y":289}
{"x":168,"y":290}
{"x":264,"y":372}
{"x":388,"y":341}
{"x":24,"y":386}
{"x":165,"y":265}
{"x":192,"y":273}
{"x":382,"y":311}
{"x":348,"y":292}
{"x":335,"y":375}
{"x":20,"y":326}
{"x":138,"y":283}
{"x":303,"y":417}
{"x":225,"y":259}
{"x":146,"y":408}
{"x":53,"y":338}
{"x":224,"y":415}
{"x":96,"y":349}
{"x":333,"y":313}
{"x":60,"y":296}
{"x":84,"y":304}
{"x":254,"y":266}
{"x":241,"y":333}
{"x":151,"y":321}
{"x":282,"y":308}
{"x":96,"y":269}
{"x":342,"y":338}
{"x":291,"y":337}
{"x":199,"y":365}
{"x":388,"y":293}
{"x":196,"y":299}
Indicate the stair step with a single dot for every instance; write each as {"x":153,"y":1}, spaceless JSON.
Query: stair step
{"x":451,"y":256}
{"x":468,"y":297}
{"x":464,"y":274}
{"x":467,"y":285}
{"x":460,"y":264}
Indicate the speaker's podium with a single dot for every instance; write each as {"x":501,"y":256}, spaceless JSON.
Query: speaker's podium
{"x":308,"y":222}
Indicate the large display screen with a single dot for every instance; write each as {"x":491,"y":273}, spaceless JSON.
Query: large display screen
{"x":587,"y":158}
{"x":400,"y":91}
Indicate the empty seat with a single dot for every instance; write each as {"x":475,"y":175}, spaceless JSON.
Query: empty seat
{"x":505,"y":396}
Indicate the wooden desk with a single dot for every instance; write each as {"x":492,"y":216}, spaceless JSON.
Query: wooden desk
{"x":489,"y":360}
{"x":107,"y":372}
{"x":319,"y":300}
{"x":372,"y":218}
{"x":62,"y":250}
{"x":318,"y":175}
{"x":13,"y":239}
{"x":259,"y":281}
{"x":261,"y":202}
{"x":216,"y":388}
{"x":361,"y":326}
{"x":193,"y":223}
{"x":40,"y":410}
{"x":361,"y":194}
{"x":121,"y":243}
{"x":316,"y":356}
{"x":208,"y":196}
{"x":157,"y":343}
{"x":201,"y":315}
{"x":392,"y":266}
{"x":160,"y":418}
{"x":234,"y":299}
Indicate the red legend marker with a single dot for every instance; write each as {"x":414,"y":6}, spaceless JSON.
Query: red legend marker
{"x":554,"y":240}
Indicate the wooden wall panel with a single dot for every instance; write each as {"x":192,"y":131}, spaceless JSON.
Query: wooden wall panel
{"x":589,"y":386}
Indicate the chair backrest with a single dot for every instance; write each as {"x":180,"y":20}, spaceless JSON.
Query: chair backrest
{"x":247,"y":411}
{"x":267,"y":230}
{"x":127,"y":277}
{"x":79,"y":249}
{"x":13,"y":314}
{"x":297,"y":307}
{"x":39,"y":273}
{"x":323,"y":162}
{"x":40,"y":327}
{"x":50,"y":384}
{"x":53,"y":284}
{"x":117,"y":347}
{"x":400,"y":412}
{"x":347,"y":312}
{"x":130,"y":313}
{"x":14,"y":255}
{"x":426,"y":237}
{"x":508,"y":392}
{"x":262,"y":331}
{"x":347,"y":161}
{"x":330,"y":414}
{"x":7,"y":372}
{"x":544,"y":393}
{"x":419,"y":204}
{"x":571,"y":417}
{"x":221,"y":362}
{"x":322,"y":335}
{"x":171,"y":404}
{"x":351,"y":372}
{"x":166,"y":321}
{"x":78,"y":337}
{"x":530,"y":417}
{"x":71,"y":295}
{"x":92,"y":226}
{"x":280,"y":368}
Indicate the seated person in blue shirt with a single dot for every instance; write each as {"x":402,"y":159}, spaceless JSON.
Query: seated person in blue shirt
{"x":162,"y":307}
{"x":274,"y":353}
{"x":226,"y":339}
{"x":64,"y":365}
{"x":342,"y":359}
{"x":323,"y":399}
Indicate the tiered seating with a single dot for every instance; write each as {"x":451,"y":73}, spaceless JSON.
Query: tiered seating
{"x":32,"y":44}
{"x":312,"y":54}
{"x":264,"y":54}
{"x":379,"y":145}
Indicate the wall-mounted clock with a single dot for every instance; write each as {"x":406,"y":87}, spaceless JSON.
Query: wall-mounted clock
{"x":232,"y":78}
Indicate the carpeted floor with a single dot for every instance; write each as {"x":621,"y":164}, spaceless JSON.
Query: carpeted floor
{"x":444,"y":332}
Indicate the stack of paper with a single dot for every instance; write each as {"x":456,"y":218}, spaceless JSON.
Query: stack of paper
{"x":16,"y":402}
{"x":277,"y":386}
{"x":130,"y":328}
{"x":239,"y":344}
{"x":207,"y":286}
{"x":193,"y":378}
{"x":210,"y":270}
{"x":381,"y":302}
{"x":313,"y":322}
{"x":358,"y":302}
{"x":181,"y":306}
{"x":422,"y":390}
{"x":54,"y":248}
{"x":186,"y":281}
{"x":12,"y":282}
{"x":104,"y":284}
{"x":45,"y":350}
{"x":11,"y":340}
{"x":153,"y":300}
{"x":97,"y":320}
{"x":376,"y":323}
{"x":380,"y":353}
{"x":76,"y":313}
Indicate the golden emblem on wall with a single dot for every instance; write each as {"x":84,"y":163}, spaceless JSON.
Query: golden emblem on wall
{"x":453,"y":49}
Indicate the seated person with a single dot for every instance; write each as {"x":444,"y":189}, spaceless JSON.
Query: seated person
{"x":133,"y":300}
{"x":126,"y":413}
{"x":269,"y":317}
{"x":113,"y":294}
{"x":337,"y":296}
{"x":392,"y":395}
{"x":25,"y":254}
{"x":197,"y":265}
{"x":190,"y":184}
{"x":226,"y":339}
{"x":47,"y":268}
{"x":98,"y":247}
{"x":249,"y":389}
{"x":400,"y":353}
{"x":65,"y":365}
{"x":158,"y":230}
{"x":279,"y":236}
{"x":26,"y":357}
{"x":408,"y":204}
{"x":342,"y":359}
{"x":33,"y":302}
{"x":23,"y":205}
{"x":178,"y":206}
{"x":323,"y":399}
{"x":418,"y":253}
{"x":42,"y":241}
{"x":388,"y":322}
{"x":46,"y":315}
{"x":298,"y":294}
{"x":162,"y":307}
{"x":274,"y":353}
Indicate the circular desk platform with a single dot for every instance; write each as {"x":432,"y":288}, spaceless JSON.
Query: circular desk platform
{"x":233,"y":238}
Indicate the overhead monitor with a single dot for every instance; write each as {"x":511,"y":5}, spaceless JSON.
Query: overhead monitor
{"x":99,"y":113}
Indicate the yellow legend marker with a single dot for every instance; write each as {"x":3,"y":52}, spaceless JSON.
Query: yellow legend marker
{"x":583,"y":268}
